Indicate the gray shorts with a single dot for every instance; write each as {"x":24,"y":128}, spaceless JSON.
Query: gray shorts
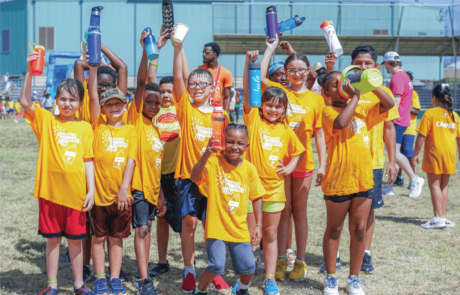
{"x":241,"y":254}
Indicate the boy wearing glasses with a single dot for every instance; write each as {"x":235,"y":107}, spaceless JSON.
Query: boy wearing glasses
{"x":196,"y":130}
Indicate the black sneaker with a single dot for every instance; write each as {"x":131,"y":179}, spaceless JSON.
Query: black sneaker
{"x":146,"y":287}
{"x":338,"y":266}
{"x":67,"y":258}
{"x":366,"y":266}
{"x":159,"y":269}
{"x":195,"y":292}
{"x":399,"y":182}
{"x":86,"y":274}
{"x":243,"y":292}
{"x":122,"y":275}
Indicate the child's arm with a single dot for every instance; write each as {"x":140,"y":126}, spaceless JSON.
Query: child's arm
{"x":119,"y":66}
{"x":265,"y":62}
{"x":25,"y":98}
{"x":141,"y":75}
{"x":321,"y":148}
{"x":386,"y":102}
{"x":458,"y":144}
{"x":153,"y":65}
{"x":79,"y":68}
{"x":179,"y":84}
{"x":250,"y":56}
{"x":123,"y":194}
{"x":198,"y":169}
{"x":289,"y":168}
{"x":89,"y":171}
{"x":257,"y":205}
{"x":185,"y":68}
{"x":418,"y":146}
{"x":342,"y":120}
{"x":389,"y":134}
{"x":94,"y":105}
{"x":330,"y":61}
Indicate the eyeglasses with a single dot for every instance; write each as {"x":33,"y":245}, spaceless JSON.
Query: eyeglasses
{"x":202,"y":85}
{"x":301,"y":71}
{"x":207,"y":52}
{"x":103,"y":85}
{"x":280,"y":75}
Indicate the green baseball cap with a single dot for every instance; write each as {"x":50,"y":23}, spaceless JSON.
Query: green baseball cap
{"x":112,"y":93}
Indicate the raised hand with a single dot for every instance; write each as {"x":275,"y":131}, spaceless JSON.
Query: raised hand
{"x":163,"y":38}
{"x":33,"y":55}
{"x":330,"y":60}
{"x":286,"y":47}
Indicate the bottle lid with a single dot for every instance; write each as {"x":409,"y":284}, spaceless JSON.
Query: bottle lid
{"x":167,"y":2}
{"x":148,"y":30}
{"x":217,"y":108}
{"x":326,"y":23}
{"x":254,"y":65}
{"x":97,"y":8}
{"x":271,"y":9}
{"x":299,"y":20}
{"x":36,"y":46}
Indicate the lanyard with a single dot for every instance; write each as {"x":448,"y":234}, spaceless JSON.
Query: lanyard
{"x":211,"y":98}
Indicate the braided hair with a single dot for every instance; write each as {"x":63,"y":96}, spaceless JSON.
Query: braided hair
{"x":442,"y":93}
{"x":237,"y":126}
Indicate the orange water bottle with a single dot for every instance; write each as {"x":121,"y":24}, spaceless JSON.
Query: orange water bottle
{"x":218,"y":126}
{"x":36,"y":65}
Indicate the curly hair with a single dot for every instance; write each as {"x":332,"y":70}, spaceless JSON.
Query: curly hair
{"x":442,"y":93}
{"x":215,"y":47}
{"x":109,"y":71}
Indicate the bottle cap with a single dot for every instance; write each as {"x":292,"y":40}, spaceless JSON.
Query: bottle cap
{"x":148,"y":30}
{"x":254,"y":65}
{"x":36,"y":46}
{"x":299,"y":20}
{"x":271,"y":9}
{"x":326,"y":23}
{"x":97,"y":8}
{"x":217,"y":108}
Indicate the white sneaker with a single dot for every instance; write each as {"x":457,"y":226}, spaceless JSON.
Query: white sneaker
{"x":353,"y":286}
{"x":331,"y":286}
{"x":260,"y":260}
{"x":448,"y":222}
{"x":15,"y":121}
{"x":415,"y":187}
{"x":387,"y":190}
{"x":290,"y":257}
{"x":435,"y":222}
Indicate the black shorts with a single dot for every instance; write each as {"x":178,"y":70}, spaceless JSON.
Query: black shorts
{"x":192,"y":202}
{"x":143,"y":210}
{"x":169,"y":185}
{"x":340,"y":199}
{"x":377,"y":200}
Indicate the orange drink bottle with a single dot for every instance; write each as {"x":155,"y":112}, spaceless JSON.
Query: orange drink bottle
{"x":218,"y":126}
{"x":37,"y":65}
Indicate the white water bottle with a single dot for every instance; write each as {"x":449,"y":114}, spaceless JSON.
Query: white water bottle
{"x":331,"y":37}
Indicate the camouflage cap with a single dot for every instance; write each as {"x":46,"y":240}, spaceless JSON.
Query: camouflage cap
{"x":111,"y":93}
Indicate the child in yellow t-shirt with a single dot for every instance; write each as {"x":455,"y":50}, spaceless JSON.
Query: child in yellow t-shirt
{"x":439,"y":129}
{"x":64,"y":181}
{"x":196,"y":130}
{"x":17,"y":110}
{"x":348,"y":182}
{"x":237,"y":183}
{"x":275,"y":150}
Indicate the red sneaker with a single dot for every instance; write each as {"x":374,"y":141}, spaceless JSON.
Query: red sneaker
{"x":189,"y":283}
{"x":219,"y":284}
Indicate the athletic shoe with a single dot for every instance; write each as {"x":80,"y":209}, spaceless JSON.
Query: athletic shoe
{"x":338,"y":266}
{"x":159,"y":269}
{"x":218,"y":284}
{"x":331,"y":286}
{"x":290,"y":257}
{"x":448,"y":222}
{"x":236,"y":286}
{"x":195,"y":292}
{"x":353,"y":286}
{"x":415,"y":187}
{"x":67,"y":258}
{"x":15,"y":121}
{"x":117,"y":287}
{"x":387,"y":190}
{"x":100,"y":287}
{"x":270,"y":287}
{"x":189,"y":283}
{"x":86,"y":274}
{"x":146,"y":287}
{"x":299,"y":271}
{"x":281,"y":267}
{"x":367,"y":266}
{"x":399,"y":182}
{"x":435,"y":222}
{"x":121,"y":276}
{"x":83,"y":291}
{"x":243,"y":292}
{"x":260,"y":260}
{"x":137,"y":280}
{"x":49,"y":291}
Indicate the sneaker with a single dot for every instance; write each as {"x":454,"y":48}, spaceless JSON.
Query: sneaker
{"x":146,"y":287}
{"x":299,"y":271}
{"x":86,"y":274}
{"x":435,"y":222}
{"x":353,"y":286}
{"x":338,"y":266}
{"x":117,"y":287}
{"x":195,"y":292}
{"x":260,"y":260}
{"x":100,"y":287}
{"x":366,"y":266}
{"x":236,"y":286}
{"x":399,"y":182}
{"x":290,"y":257}
{"x":137,"y":280}
{"x":448,"y":222}
{"x":415,"y":187}
{"x":387,"y":190}
{"x":67,"y":258}
{"x":281,"y":266}
{"x":243,"y":292}
{"x":49,"y":291}
{"x":122,"y":276}
{"x":15,"y":121}
{"x":159,"y":269}
{"x":270,"y":287}
{"x":189,"y":283}
{"x":83,"y":291}
{"x":218,"y":284}
{"x":331,"y":286}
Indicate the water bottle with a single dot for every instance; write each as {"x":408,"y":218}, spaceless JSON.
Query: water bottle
{"x":36,"y":66}
{"x":168,"y":17}
{"x":94,"y":37}
{"x":289,"y":24}
{"x":331,"y":37}
{"x":272,"y":22}
{"x":365,"y":81}
{"x":218,"y":126}
{"x":150,"y":45}
{"x":255,"y":95}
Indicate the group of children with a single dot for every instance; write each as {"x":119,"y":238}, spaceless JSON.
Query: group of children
{"x":105,"y":165}
{"x":8,"y":108}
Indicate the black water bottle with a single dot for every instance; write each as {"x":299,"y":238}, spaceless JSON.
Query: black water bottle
{"x":168,"y":16}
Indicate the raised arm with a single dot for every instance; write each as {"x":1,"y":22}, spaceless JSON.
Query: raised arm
{"x":265,"y":62}
{"x":26,"y":99}
{"x":250,"y":56}
{"x":386,"y":102}
{"x":119,"y":66}
{"x":342,"y":120}
{"x":330,"y":61}
{"x":141,"y":75}
{"x":185,"y":68}
{"x":153,"y":65}
{"x":94,"y":105}
{"x":198,"y":169}
{"x":179,"y":84}
{"x":79,"y":68}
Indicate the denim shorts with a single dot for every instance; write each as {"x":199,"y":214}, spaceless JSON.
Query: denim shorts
{"x":341,"y":199}
{"x":407,"y":146}
{"x":241,"y":254}
{"x":400,"y":133}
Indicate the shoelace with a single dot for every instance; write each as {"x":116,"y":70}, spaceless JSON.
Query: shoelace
{"x":356,"y":281}
{"x":82,"y":289}
{"x":269,"y":284}
{"x":116,"y":283}
{"x":331,"y":283}
{"x":46,"y":290}
{"x":101,"y":283}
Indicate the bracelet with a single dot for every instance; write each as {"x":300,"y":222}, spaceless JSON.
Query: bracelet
{"x":259,"y":225}
{"x":152,"y":63}
{"x":52,"y":282}
{"x":100,"y":276}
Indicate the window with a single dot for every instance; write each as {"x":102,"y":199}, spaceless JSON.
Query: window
{"x":380,"y":32}
{"x":46,"y":37}
{"x":5,"y":40}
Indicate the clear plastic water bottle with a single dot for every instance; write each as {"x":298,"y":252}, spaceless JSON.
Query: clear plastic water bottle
{"x":218,"y":126}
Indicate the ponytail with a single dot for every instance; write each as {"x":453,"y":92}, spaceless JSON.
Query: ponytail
{"x":442,"y":93}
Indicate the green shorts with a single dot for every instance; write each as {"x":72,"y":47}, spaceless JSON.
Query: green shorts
{"x":250,"y":208}
{"x":274,"y":206}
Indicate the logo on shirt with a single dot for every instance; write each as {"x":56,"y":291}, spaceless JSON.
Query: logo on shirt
{"x":296,"y":109}
{"x":157,"y":146}
{"x":169,"y":127}
{"x":446,"y":116}
{"x":201,"y":133}
{"x":63,"y":138}
{"x":269,"y":142}
{"x":445,"y":125}
{"x":355,"y":125}
{"x":295,"y":122}
{"x":233,"y":204}
{"x":273,"y":158}
{"x":227,"y":186}
{"x":70,"y":154}
{"x":111,"y":143}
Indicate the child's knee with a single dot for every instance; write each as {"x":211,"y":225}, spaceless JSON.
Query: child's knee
{"x":189,"y":225}
{"x":359,"y":229}
{"x":142,"y":231}
{"x":270,"y":235}
{"x":334,"y":232}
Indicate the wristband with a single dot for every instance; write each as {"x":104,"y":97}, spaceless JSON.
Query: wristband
{"x":52,"y":282}
{"x":260,"y":225}
{"x":100,"y":276}
{"x":152,"y":63}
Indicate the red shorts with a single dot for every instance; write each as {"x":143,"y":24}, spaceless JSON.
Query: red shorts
{"x":302,"y":174}
{"x":57,"y":221}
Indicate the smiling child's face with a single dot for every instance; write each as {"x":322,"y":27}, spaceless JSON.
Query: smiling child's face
{"x":236,"y":143}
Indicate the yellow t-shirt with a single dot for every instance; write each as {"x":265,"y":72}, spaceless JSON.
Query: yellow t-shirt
{"x":304,"y":117}
{"x":267,"y":144}
{"x":441,"y":131}
{"x":349,"y":160}
{"x":228,"y":189}
{"x":196,"y":130}
{"x":61,"y":176}
{"x":376,"y":132}
{"x":17,"y":107}
{"x":3,"y":104}
{"x":112,"y":148}
{"x":10,"y":104}
{"x":413,"y":118}
{"x":147,"y":173}
{"x":167,"y":123}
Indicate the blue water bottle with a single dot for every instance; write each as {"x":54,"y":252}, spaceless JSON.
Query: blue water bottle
{"x":94,"y":37}
{"x":255,"y":95}
{"x":150,"y":45}
{"x":289,"y":24}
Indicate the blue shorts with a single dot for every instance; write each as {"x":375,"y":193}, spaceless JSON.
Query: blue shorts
{"x":377,"y":200}
{"x":192,"y":202}
{"x":407,"y":146}
{"x":241,"y":254}
{"x":143,"y":210}
{"x":169,"y":185}
{"x":340,"y":199}
{"x":400,"y":133}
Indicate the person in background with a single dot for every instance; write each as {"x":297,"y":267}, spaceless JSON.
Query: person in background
{"x":10,"y":107}
{"x":17,"y":110}
{"x":4,"y":109}
{"x":320,"y":70}
{"x":48,"y":102}
{"x":232,"y":104}
{"x":277,"y":73}
{"x":237,"y":104}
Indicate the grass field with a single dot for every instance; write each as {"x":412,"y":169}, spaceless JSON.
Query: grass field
{"x":407,"y":258}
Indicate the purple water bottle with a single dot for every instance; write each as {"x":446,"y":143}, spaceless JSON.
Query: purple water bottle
{"x":272,"y":22}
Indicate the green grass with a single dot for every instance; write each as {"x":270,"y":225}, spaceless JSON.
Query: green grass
{"x":407,"y":258}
